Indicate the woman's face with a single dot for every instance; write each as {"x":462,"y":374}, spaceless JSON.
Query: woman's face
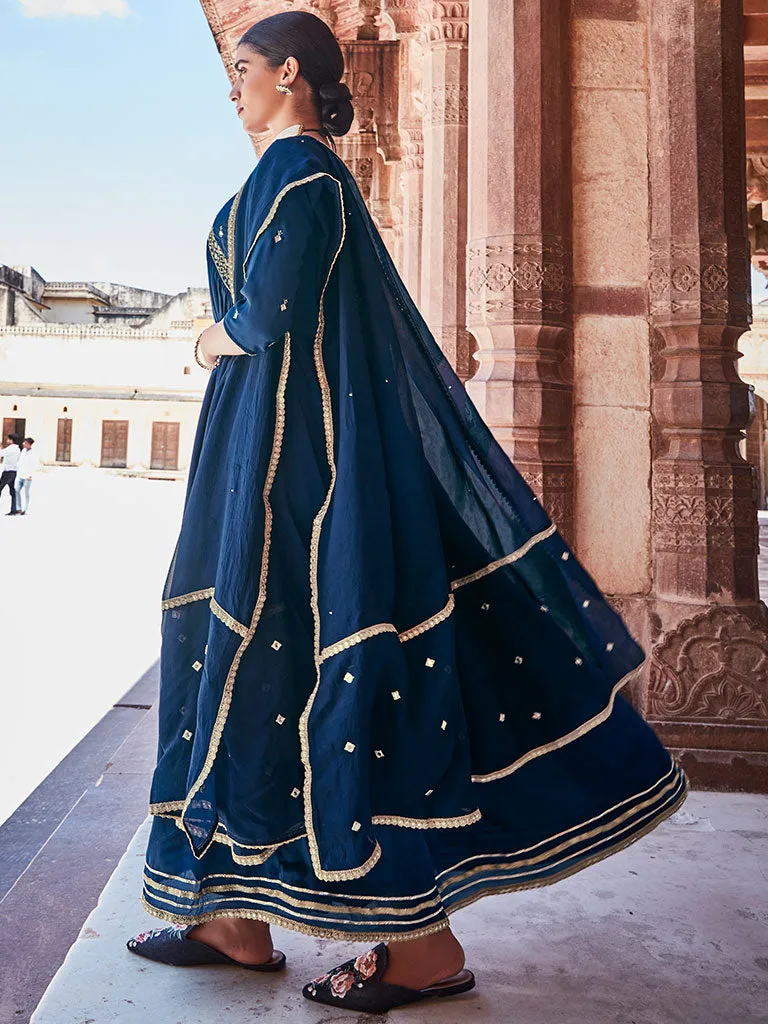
{"x":254,"y":92}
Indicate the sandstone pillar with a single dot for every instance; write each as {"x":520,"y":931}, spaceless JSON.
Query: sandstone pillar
{"x":405,"y":17}
{"x":519,"y":250}
{"x":444,"y":228}
{"x":708,"y":691}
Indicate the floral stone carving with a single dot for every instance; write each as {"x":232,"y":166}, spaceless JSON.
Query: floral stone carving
{"x":712,"y":667}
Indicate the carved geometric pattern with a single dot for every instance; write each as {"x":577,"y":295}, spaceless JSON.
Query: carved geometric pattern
{"x":447,"y":104}
{"x":711,"y":668}
{"x":525,"y":280}
{"x":690,"y":515}
{"x":699,"y":281}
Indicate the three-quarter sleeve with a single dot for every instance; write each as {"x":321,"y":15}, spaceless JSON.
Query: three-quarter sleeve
{"x":287,"y":267}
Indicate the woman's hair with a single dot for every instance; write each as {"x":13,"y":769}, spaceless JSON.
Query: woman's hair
{"x":306,"y":37}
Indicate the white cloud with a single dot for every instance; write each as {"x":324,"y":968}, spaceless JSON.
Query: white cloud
{"x":79,"y":8}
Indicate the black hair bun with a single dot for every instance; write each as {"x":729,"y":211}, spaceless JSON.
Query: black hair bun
{"x":336,"y":110}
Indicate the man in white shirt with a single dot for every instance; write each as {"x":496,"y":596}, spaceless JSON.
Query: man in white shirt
{"x":9,"y":461}
{"x":29,"y":464}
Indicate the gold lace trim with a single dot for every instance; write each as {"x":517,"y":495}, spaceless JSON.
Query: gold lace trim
{"x":663,"y":781}
{"x":297,"y":926}
{"x":273,"y":210}
{"x":257,"y":890}
{"x":654,"y":820}
{"x":317,"y":525}
{"x":427,"y":624}
{"x":355,"y":638}
{"x":227,"y":619}
{"x":379,"y":936}
{"x":218,"y":257}
{"x":226,"y":697}
{"x":231,"y":226}
{"x":387,"y":627}
{"x":298,"y":913}
{"x":506,"y":560}
{"x":574,"y":840}
{"x":422,"y":823}
{"x":569,"y":737}
{"x":280,"y":884}
{"x":196,"y":595}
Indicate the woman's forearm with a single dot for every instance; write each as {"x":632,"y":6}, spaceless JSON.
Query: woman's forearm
{"x":214,"y":341}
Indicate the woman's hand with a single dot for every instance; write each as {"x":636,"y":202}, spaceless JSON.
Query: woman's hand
{"x":215,"y":342}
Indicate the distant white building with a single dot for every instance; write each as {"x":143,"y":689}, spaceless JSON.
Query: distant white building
{"x":101,"y":374}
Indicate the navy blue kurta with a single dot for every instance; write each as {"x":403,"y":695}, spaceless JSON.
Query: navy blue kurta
{"x":388,"y":687}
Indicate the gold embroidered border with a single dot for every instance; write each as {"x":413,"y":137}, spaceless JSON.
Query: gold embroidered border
{"x":226,"y":697}
{"x":574,"y":840}
{"x":283,"y":922}
{"x":257,"y":890}
{"x":273,"y":210}
{"x":422,"y":823}
{"x":506,"y":560}
{"x":377,"y":936}
{"x":196,"y":595}
{"x":231,"y":226}
{"x":663,"y":782}
{"x":218,"y":257}
{"x":280,"y":884}
{"x":227,"y":619}
{"x":655,"y":819}
{"x":317,"y":525}
{"x":423,"y":627}
{"x":387,"y":627}
{"x":290,"y":911}
{"x":569,"y":737}
{"x":355,"y":638}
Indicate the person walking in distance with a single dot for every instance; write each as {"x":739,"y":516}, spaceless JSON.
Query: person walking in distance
{"x":9,"y":461}
{"x":28,"y":465}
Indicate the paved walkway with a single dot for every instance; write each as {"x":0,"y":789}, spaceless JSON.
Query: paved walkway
{"x":673,"y":930}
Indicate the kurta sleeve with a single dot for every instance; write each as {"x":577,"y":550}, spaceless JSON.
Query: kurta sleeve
{"x":287,"y":267}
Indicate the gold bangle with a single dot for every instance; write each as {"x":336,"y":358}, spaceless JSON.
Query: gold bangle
{"x":199,"y":361}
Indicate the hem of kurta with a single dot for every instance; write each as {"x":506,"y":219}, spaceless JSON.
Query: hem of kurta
{"x":491,"y":874}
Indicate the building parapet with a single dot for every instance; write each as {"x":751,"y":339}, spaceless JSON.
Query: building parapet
{"x":77,"y":286}
{"x":95,"y":330}
{"x":12,"y":389}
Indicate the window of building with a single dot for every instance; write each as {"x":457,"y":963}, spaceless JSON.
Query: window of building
{"x":13,"y":425}
{"x":165,"y":446}
{"x":64,"y":441}
{"x":114,"y":444}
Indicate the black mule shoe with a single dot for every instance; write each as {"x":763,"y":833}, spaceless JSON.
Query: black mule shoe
{"x":172,"y":946}
{"x":357,"y":985}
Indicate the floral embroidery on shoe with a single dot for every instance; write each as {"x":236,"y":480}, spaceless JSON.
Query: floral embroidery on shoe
{"x":341,"y":983}
{"x":352,"y":974}
{"x":174,"y":933}
{"x":365,"y":965}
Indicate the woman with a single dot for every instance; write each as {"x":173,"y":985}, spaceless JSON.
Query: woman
{"x":388,"y":686}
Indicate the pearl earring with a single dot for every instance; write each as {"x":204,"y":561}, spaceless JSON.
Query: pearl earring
{"x":284,"y":89}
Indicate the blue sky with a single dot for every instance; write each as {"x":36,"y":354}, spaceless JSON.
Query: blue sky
{"x":118,"y":141}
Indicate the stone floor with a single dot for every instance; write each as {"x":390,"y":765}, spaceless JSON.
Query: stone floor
{"x":673,"y":930}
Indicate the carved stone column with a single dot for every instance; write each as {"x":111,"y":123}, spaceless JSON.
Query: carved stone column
{"x":519,"y":253}
{"x":405,"y":18}
{"x":444,"y":230}
{"x":708,"y":692}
